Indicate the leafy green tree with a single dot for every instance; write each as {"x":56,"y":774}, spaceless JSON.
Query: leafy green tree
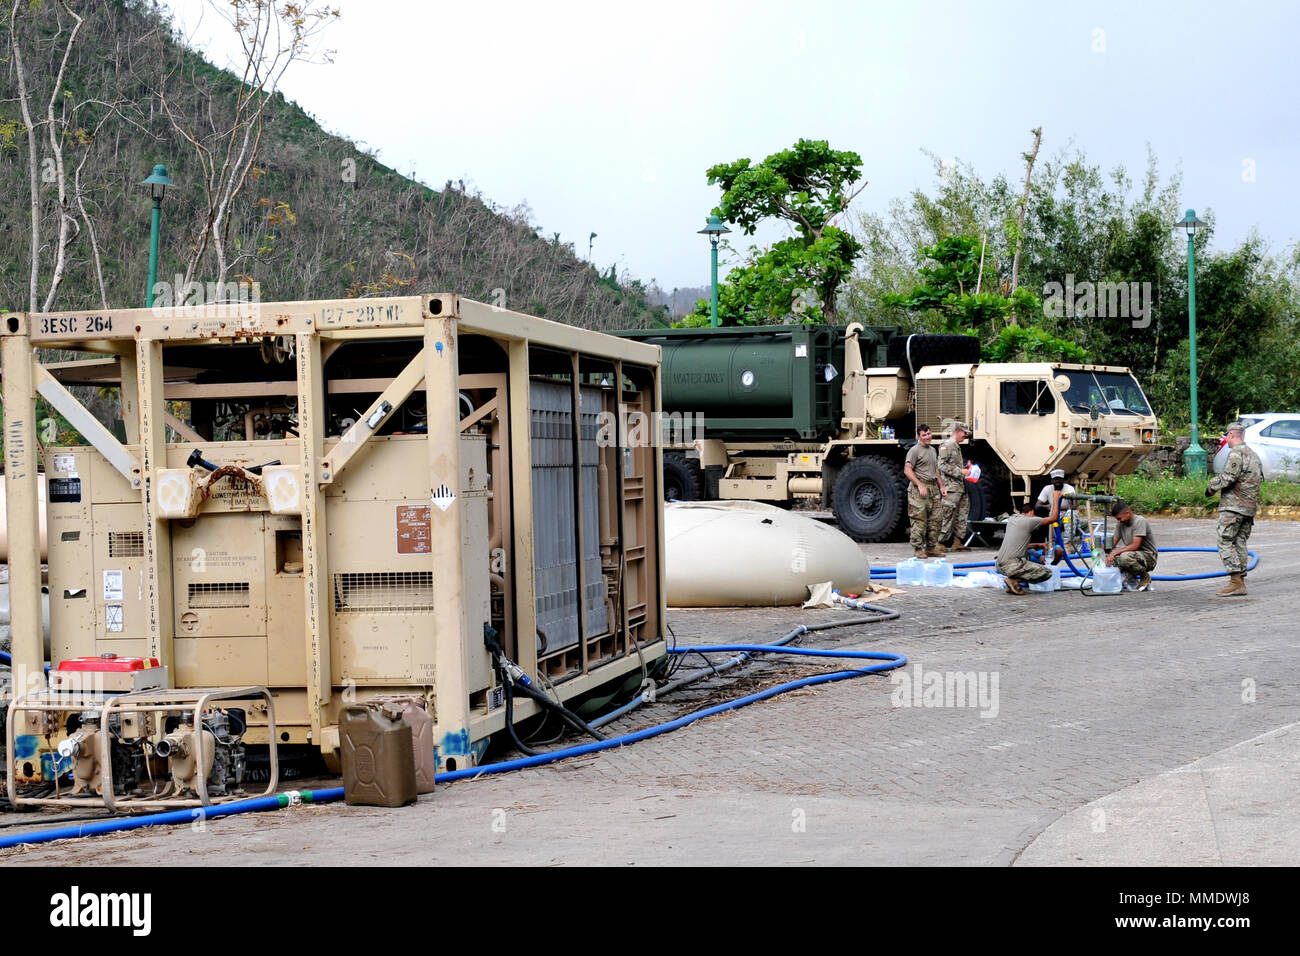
{"x":950,"y":299}
{"x":806,"y":187}
{"x":1083,"y":225}
{"x":1247,"y":335}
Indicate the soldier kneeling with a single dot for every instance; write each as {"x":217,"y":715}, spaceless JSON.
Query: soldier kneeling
{"x":1135,"y":551}
{"x":1013,"y":557}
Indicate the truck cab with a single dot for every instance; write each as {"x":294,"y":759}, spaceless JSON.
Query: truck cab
{"x":1093,"y":421}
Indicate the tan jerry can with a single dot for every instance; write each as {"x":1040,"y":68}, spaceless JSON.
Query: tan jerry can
{"x":378,"y":760}
{"x":421,"y":723}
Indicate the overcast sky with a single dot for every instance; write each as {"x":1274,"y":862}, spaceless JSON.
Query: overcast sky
{"x":604,"y":117}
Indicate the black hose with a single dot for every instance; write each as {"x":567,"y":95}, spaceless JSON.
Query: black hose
{"x":882,"y":614}
{"x":510,"y":714}
{"x":568,"y":716}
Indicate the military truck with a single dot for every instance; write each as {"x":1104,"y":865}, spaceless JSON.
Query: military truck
{"x":782,"y":413}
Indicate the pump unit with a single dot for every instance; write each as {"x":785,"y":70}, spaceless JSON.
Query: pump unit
{"x":335,"y":500}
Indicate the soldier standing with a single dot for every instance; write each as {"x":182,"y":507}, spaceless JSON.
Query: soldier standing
{"x":1238,"y":488}
{"x":955,"y":507}
{"x":923,"y":495}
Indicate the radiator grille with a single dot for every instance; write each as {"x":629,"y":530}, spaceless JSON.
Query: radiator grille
{"x":383,"y":592}
{"x":939,"y":400}
{"x":126,"y":544}
{"x":555,"y":519}
{"x":210,"y":594}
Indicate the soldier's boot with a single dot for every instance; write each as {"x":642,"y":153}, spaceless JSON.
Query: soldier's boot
{"x":958,"y":545}
{"x":1144,"y":581}
{"x":938,"y":551}
{"x":1013,"y":586}
{"x":1235,"y":587}
{"x":920,"y":553}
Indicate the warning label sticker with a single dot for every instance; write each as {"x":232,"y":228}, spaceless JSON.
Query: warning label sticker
{"x":413,"y":533}
{"x":443,"y":497}
{"x":113,"y":616}
{"x":112,"y":585}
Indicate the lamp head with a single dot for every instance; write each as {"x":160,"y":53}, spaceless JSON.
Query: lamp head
{"x":1189,"y":222}
{"x":157,"y":182}
{"x":715,"y":229}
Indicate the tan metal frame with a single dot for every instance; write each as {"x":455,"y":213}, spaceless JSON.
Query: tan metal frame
{"x":136,"y":337}
{"x":138,"y":702}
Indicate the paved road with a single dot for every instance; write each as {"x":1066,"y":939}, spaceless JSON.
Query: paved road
{"x":1095,"y":698}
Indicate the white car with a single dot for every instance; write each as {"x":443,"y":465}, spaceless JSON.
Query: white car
{"x":1275,"y":437}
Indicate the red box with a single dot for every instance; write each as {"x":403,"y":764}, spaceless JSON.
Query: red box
{"x":108,"y":673}
{"x":108,"y":662}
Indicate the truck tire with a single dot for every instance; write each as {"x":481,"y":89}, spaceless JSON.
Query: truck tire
{"x":934,"y":350}
{"x":682,"y":479}
{"x":870,"y":498}
{"x":988,"y":497}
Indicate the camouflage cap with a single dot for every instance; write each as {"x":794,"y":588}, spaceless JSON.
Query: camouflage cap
{"x":962,"y":425}
{"x":1237,"y":426}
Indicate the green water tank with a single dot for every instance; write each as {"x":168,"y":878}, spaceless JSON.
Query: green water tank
{"x":758,"y":383}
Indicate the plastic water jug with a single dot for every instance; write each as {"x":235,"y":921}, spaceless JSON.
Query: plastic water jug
{"x":1051,"y":584}
{"x":1106,"y":581}
{"x":910,"y":572}
{"x":937,"y":574}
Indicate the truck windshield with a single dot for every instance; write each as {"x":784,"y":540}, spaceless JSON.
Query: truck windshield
{"x":1111,"y":393}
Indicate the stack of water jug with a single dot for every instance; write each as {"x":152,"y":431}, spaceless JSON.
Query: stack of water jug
{"x":931,"y":574}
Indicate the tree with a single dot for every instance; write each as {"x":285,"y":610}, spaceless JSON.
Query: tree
{"x":806,"y":187}
{"x":1030,"y":158}
{"x":1086,"y":229}
{"x":1247,"y":338}
{"x":949,"y":296}
{"x":42,"y":40}
{"x":226,"y":138}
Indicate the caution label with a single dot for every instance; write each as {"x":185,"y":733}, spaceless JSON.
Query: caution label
{"x":413,"y":532}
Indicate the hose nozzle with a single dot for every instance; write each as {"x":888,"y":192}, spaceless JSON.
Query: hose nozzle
{"x":174,"y":744}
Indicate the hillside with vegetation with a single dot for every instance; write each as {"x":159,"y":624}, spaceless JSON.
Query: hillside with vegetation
{"x":96,"y":93}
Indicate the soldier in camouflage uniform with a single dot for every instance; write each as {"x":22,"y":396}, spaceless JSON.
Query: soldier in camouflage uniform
{"x":955,"y":506}
{"x":1238,"y":488}
{"x":1013,"y":557}
{"x":923,"y":495}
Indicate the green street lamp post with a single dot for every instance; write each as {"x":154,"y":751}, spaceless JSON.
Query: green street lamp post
{"x":157,"y":183}
{"x":1194,"y":456}
{"x":714,"y":230}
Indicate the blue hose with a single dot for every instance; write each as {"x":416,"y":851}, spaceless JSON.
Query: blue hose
{"x":891,"y":661}
{"x":276,"y":802}
{"x":1254,"y":560}
{"x":171,"y":817}
{"x":7,"y":658}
